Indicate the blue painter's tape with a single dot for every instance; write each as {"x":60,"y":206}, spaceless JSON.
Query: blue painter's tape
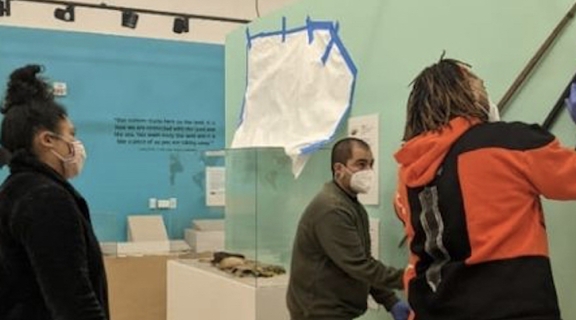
{"x":320,"y":25}
{"x":276,"y":33}
{"x":345,"y":55}
{"x":333,"y":35}
{"x":310,"y":30}
{"x":248,"y":38}
{"x":314,"y":147}
{"x":327,"y":51}
{"x":242,"y":109}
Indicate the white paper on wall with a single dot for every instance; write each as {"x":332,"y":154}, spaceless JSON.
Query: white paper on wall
{"x":299,"y":88}
{"x":215,"y":186}
{"x":367,"y":128}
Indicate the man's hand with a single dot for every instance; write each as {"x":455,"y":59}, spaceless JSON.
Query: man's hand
{"x":400,"y":311}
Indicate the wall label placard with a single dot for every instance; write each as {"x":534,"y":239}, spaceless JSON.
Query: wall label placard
{"x":165,"y":134}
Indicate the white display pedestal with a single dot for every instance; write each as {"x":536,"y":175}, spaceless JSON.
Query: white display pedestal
{"x":196,"y":290}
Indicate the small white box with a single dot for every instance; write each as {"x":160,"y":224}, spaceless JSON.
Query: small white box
{"x":208,"y":224}
{"x":140,"y":248}
{"x":202,"y":241}
{"x":206,"y":235}
{"x":146,"y":228}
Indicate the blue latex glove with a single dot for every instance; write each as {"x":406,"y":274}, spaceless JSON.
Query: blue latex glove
{"x":400,"y":311}
{"x":571,"y":102}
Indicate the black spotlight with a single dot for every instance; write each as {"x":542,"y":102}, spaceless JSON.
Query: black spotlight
{"x":180,"y":25}
{"x":65,"y":14}
{"x":4,"y":8}
{"x":129,"y":19}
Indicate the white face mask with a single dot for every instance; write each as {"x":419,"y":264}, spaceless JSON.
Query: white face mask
{"x":74,"y":162}
{"x":362,"y":181}
{"x":493,"y":113}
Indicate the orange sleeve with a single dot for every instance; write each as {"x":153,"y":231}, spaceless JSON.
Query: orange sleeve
{"x":552,"y":170}
{"x":402,"y":209}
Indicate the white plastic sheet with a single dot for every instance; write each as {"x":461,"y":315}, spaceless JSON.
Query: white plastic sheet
{"x":300,"y":84}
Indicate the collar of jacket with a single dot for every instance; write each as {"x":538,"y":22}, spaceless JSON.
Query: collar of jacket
{"x":339,"y":188}
{"x":23,"y":161}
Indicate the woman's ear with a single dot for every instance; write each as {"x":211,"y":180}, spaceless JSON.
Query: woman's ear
{"x":45,"y":139}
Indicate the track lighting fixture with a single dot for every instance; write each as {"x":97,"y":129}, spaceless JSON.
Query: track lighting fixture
{"x":65,"y":14}
{"x":129,"y":19}
{"x":181,"y":25}
{"x":4,"y":8}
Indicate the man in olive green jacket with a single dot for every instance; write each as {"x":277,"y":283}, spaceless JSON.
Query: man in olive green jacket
{"x":333,"y":271}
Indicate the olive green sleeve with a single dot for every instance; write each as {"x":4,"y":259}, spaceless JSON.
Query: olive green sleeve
{"x":338,"y":235}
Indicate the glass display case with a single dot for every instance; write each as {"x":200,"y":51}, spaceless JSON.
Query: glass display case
{"x":264,"y":201}
{"x":263,"y":204}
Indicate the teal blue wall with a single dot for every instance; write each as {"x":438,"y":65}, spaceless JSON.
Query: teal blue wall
{"x":392,"y":40}
{"x":111,"y":77}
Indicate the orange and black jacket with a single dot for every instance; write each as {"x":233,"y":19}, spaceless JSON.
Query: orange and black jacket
{"x":469,"y":197}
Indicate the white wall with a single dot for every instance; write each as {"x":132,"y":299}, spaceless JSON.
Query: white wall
{"x":37,"y":15}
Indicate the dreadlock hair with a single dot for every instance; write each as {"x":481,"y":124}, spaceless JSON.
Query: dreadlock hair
{"x":440,"y":93}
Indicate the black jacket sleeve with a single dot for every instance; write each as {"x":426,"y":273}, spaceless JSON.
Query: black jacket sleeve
{"x":51,"y":230}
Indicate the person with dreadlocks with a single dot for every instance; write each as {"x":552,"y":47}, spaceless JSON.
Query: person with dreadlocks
{"x":469,"y":196}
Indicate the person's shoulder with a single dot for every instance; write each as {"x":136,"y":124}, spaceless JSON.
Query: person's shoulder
{"x":39,"y":201}
{"x":39,"y":184}
{"x":527,"y":135}
{"x":508,"y":135}
{"x":22,"y":184}
{"x":532,"y":128}
{"x":329,"y":198}
{"x":331,"y":195}
{"x":37,"y":193}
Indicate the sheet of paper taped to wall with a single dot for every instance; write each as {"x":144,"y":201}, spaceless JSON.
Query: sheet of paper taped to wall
{"x":299,"y":89}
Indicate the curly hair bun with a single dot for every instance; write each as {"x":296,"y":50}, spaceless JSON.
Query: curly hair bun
{"x":24,"y":86}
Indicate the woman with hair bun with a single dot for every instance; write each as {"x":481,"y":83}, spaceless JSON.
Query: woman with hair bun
{"x":51,"y":266}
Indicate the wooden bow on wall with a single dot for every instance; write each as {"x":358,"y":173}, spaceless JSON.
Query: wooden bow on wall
{"x":519,"y":81}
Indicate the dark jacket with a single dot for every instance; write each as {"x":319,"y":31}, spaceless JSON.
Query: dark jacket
{"x":51,"y":266}
{"x":469,"y":196}
{"x":332,"y":269}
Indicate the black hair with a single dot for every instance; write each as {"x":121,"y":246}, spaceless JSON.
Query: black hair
{"x":28,"y":106}
{"x":342,"y":150}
